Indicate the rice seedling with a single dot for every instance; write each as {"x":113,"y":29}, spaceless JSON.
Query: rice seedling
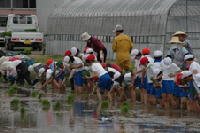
{"x":45,"y":102}
{"x":34,"y":93}
{"x":124,"y":109}
{"x":40,"y":96}
{"x":70,"y":98}
{"x":23,"y":111}
{"x":57,"y":106}
{"x":12,"y":90}
{"x":126,"y":104}
{"x":86,"y":73}
{"x":14,"y":104}
{"x":104,"y":105}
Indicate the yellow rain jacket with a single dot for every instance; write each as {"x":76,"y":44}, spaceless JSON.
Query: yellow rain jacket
{"x":122,"y":45}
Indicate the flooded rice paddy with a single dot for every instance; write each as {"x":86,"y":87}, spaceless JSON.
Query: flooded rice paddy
{"x":85,"y":115}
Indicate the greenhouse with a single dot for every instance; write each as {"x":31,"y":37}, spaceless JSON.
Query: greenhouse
{"x":149,"y":23}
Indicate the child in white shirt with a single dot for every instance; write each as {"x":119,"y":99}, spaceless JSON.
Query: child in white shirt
{"x":169,"y":72}
{"x":146,"y":53}
{"x":118,"y":80}
{"x":135,"y":54}
{"x":151,"y":72}
{"x":194,"y":68}
{"x":78,"y":67}
{"x":105,"y":81}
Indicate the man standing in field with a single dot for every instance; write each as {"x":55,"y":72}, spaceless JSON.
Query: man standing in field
{"x":122,"y":45}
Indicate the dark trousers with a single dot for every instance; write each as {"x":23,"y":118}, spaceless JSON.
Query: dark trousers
{"x":104,"y":54}
{"x":23,"y":73}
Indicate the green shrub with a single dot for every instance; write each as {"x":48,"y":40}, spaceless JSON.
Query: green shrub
{"x":34,"y":93}
{"x":104,"y":105}
{"x":70,"y":98}
{"x":57,"y":106}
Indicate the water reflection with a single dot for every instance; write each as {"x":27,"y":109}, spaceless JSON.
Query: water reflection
{"x":87,"y":116}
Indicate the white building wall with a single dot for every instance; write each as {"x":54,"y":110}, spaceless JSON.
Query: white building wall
{"x":44,"y":9}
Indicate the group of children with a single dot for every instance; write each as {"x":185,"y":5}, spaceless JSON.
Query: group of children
{"x":165,"y":81}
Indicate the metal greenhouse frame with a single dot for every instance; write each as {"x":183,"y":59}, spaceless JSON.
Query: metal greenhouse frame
{"x":149,"y":23}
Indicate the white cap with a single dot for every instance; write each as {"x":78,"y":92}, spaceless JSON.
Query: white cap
{"x":3,"y":58}
{"x":157,"y":53}
{"x":186,"y":74}
{"x":111,"y":70}
{"x":66,"y":59}
{"x":166,"y":63}
{"x":89,"y":50}
{"x":127,"y":76}
{"x":134,"y":52}
{"x":85,"y":36}
{"x":189,"y":56}
{"x":74,"y":51}
{"x":118,"y":27}
{"x":5,"y":64}
{"x":30,"y":68}
{"x":117,"y":75}
{"x":41,"y":71}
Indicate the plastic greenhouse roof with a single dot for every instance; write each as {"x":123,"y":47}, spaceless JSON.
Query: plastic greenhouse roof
{"x":113,"y":8}
{"x":138,"y":17}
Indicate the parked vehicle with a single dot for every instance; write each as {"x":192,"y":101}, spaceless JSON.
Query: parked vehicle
{"x":2,"y":39}
{"x":3,"y":21}
{"x":23,"y":31}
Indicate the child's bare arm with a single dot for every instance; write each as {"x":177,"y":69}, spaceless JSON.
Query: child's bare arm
{"x":133,"y":80}
{"x":159,"y":77}
{"x":143,"y":74}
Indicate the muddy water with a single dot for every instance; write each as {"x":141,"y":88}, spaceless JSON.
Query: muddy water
{"x":86,"y":116}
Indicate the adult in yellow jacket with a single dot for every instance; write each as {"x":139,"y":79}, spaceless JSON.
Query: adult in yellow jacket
{"x":122,"y":45}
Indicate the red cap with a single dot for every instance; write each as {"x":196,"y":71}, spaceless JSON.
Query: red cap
{"x":49,"y":61}
{"x":145,"y":51}
{"x":68,"y":53}
{"x":85,"y":49}
{"x":143,"y":60}
{"x":90,"y":57}
{"x":104,"y":65}
{"x":13,"y":58}
{"x":178,"y":79}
